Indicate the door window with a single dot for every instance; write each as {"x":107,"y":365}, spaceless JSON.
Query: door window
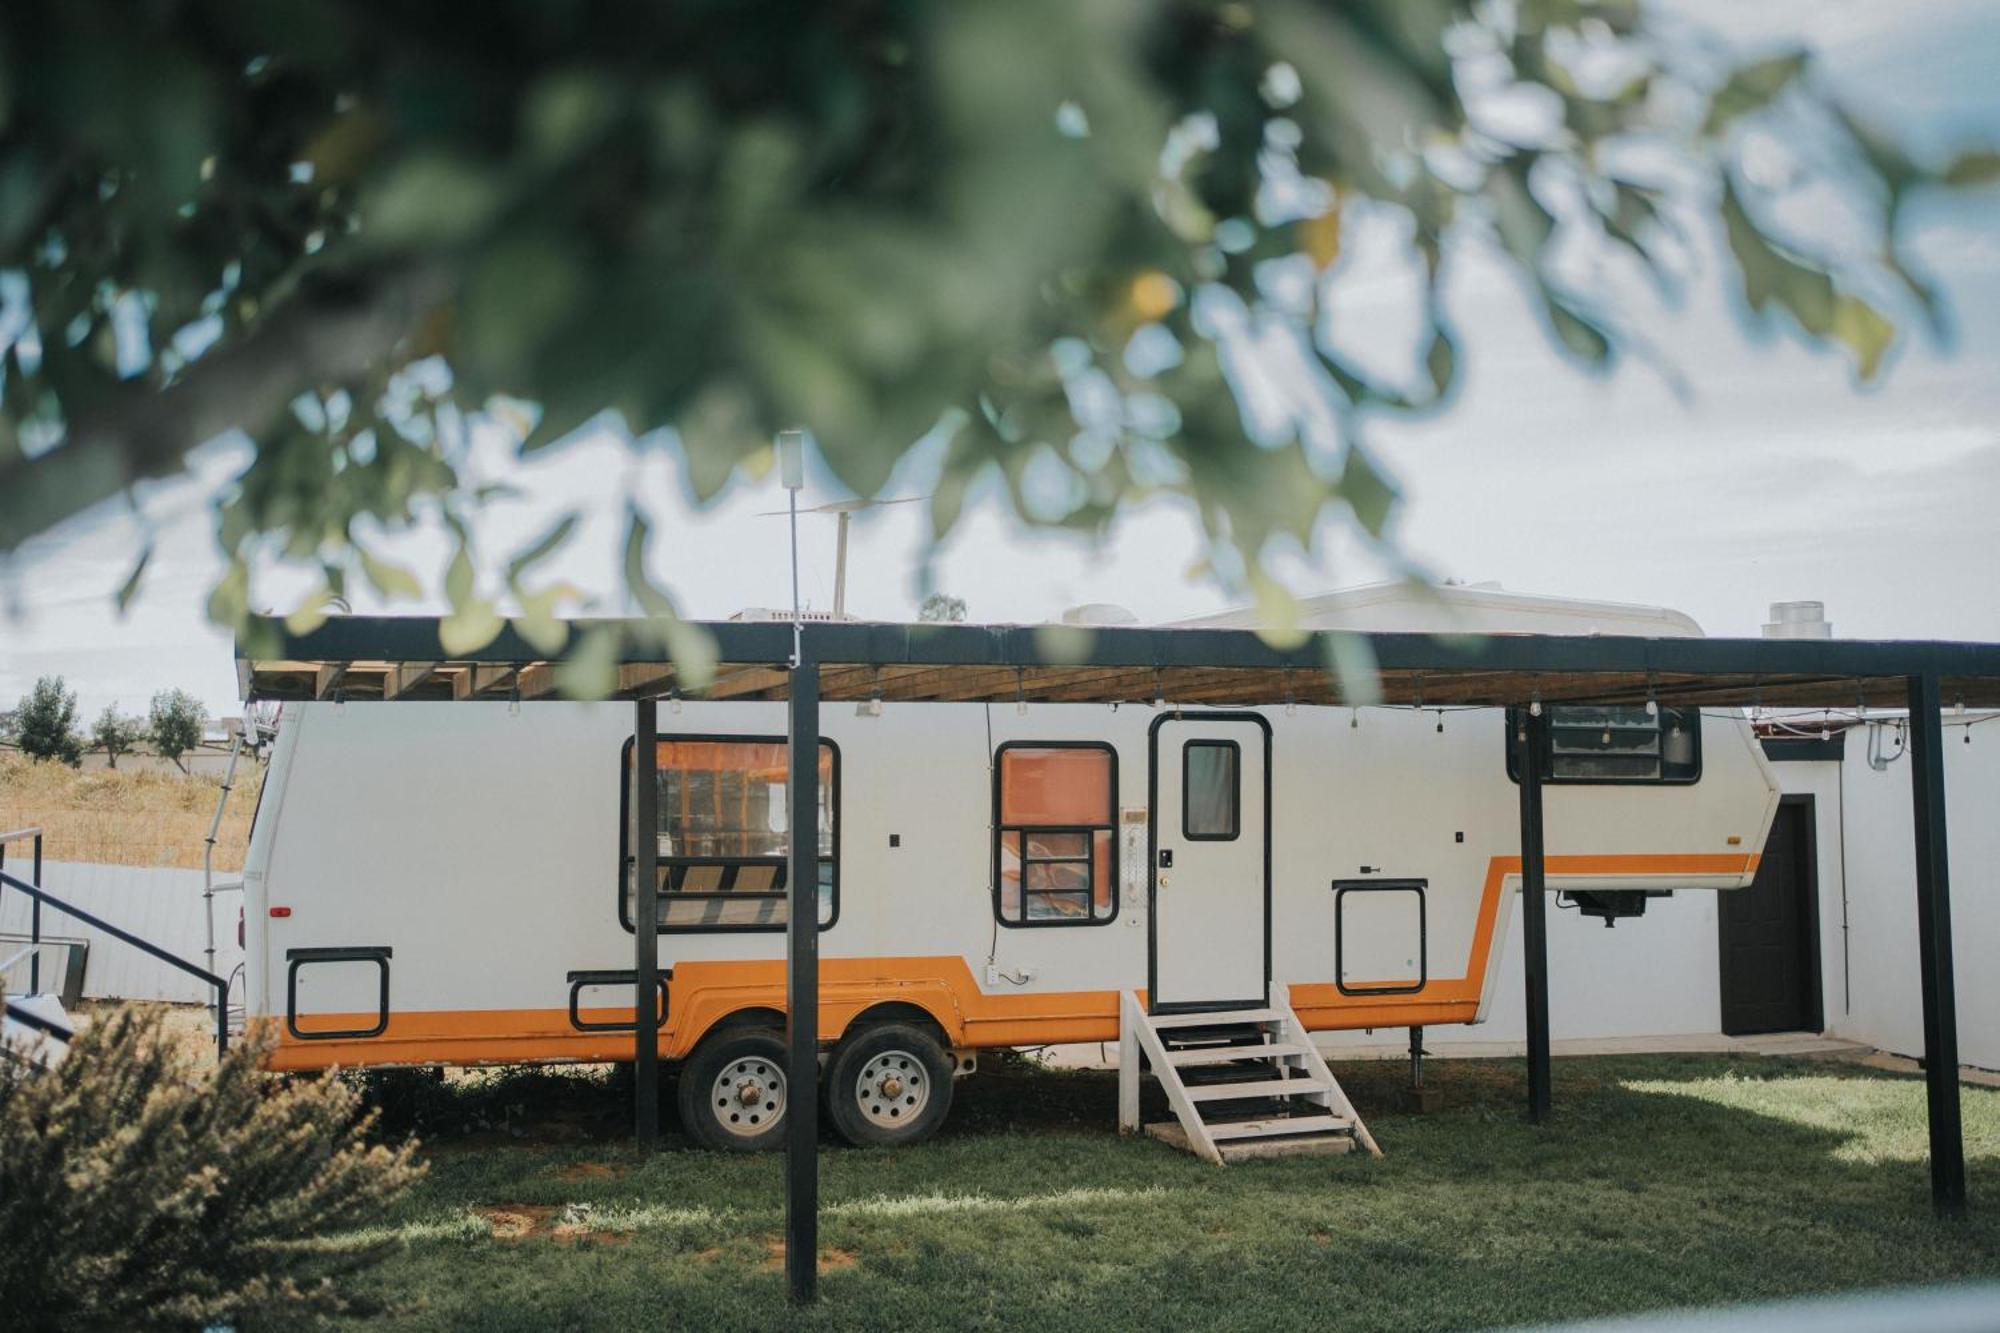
{"x":1211,"y":794}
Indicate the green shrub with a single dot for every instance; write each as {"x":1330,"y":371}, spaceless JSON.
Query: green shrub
{"x":139,"y":1188}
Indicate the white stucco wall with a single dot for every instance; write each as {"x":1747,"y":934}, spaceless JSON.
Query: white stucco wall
{"x":1885,"y":1005}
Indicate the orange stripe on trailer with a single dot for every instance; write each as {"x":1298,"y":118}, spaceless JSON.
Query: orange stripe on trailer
{"x":704,"y":993}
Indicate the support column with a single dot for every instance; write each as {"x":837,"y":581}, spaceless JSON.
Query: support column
{"x":802,"y":988}
{"x":1534,"y":912}
{"x":1934,"y":946}
{"x":646,"y":920}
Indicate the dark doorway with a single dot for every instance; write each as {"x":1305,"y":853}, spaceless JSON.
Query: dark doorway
{"x":1770,"y":934}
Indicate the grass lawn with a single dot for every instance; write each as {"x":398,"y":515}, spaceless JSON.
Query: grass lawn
{"x":1663,"y":1181}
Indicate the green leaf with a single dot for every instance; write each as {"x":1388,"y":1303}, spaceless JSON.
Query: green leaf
{"x":1865,"y":331}
{"x":694,"y":653}
{"x":229,"y":604}
{"x":1751,"y":88}
{"x":310,"y":614}
{"x":472,"y":625}
{"x":1441,"y":360}
{"x":130,"y":587}
{"x":538,"y":623}
{"x":391,"y":580}
{"x":1368,"y":493}
{"x":542,"y":548}
{"x":651,"y":600}
{"x":591,"y":669}
{"x":1971,"y":170}
{"x":1770,"y":275}
{"x":430,"y":199}
{"x":564,"y":112}
{"x":1582,"y":336}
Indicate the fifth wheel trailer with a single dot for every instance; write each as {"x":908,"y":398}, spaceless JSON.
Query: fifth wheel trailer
{"x":447,"y":884}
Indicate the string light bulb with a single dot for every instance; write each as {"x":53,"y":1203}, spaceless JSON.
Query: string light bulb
{"x":1440,"y":726}
{"x":514,"y":700}
{"x":1354,"y":719}
{"x":674,"y":701}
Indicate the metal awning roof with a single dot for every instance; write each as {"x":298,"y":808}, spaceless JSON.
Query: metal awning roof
{"x":399,"y":657}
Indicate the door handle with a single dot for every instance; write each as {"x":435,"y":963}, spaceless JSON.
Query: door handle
{"x":1166,"y":858}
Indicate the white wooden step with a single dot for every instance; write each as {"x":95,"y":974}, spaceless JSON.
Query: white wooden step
{"x":1242,"y":1149}
{"x":1312,"y":1145}
{"x":1298,"y":1124}
{"x":1217,"y":1055}
{"x":1215,"y":1018}
{"x":1277,"y":1087}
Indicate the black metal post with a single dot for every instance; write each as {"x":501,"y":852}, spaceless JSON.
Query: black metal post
{"x":802,"y":989}
{"x":1934,"y":946}
{"x":1534,"y":911}
{"x":35,"y":927}
{"x":1417,"y":1061}
{"x":646,"y":920}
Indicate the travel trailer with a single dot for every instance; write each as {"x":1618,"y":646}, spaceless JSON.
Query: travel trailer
{"x":448,"y":883}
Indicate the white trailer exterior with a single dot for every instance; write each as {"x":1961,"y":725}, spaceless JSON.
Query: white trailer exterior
{"x":441,"y":883}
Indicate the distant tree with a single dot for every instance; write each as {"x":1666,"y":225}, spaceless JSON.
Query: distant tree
{"x":47,"y":722}
{"x":175,"y":724}
{"x":942,"y":607}
{"x":115,"y":733}
{"x":10,"y":725}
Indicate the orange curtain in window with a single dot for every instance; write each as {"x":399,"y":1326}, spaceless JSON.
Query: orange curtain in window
{"x":1055,"y":787}
{"x":1042,"y":787}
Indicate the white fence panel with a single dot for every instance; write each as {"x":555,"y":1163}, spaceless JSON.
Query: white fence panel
{"x":161,"y":906}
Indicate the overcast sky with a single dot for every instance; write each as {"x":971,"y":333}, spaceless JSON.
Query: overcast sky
{"x":1775,"y":478}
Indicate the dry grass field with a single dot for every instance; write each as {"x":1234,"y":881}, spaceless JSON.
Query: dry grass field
{"x":126,"y":818}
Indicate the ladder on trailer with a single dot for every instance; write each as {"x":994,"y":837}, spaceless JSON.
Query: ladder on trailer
{"x":1242,"y":1083}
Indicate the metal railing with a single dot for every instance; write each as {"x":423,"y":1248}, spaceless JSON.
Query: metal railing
{"x":48,"y":1027}
{"x":33,"y":835}
{"x":40,"y":896}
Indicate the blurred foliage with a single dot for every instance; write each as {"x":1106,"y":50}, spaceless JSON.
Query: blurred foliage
{"x":1039,"y":234}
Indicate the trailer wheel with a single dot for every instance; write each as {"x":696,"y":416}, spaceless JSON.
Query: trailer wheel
{"x":732,"y":1091}
{"x":889,"y":1085}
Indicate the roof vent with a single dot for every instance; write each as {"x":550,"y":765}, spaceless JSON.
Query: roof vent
{"x":1798,"y":620}
{"x":1099,"y":613}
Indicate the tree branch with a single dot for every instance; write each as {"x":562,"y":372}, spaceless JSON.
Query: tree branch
{"x":328,"y":333}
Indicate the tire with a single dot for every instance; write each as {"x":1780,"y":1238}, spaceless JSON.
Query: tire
{"x":732,"y":1091}
{"x":889,"y":1085}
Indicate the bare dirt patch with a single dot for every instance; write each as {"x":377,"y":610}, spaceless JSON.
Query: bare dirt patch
{"x":564,"y":1224}
{"x":831,"y":1257}
{"x":518,"y":1221}
{"x":588,"y":1171}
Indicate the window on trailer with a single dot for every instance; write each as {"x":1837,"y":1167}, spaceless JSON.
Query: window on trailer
{"x":1211,"y":800}
{"x":724,"y":832}
{"x":1055,"y":850}
{"x":1614,"y":743}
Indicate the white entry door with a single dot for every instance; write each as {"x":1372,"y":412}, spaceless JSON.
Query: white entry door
{"x":1211,"y":870}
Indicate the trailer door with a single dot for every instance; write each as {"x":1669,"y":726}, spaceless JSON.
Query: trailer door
{"x":1210,"y":892}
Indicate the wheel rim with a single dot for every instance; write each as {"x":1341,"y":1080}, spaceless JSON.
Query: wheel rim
{"x":893,"y":1090}
{"x":749,"y":1096}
